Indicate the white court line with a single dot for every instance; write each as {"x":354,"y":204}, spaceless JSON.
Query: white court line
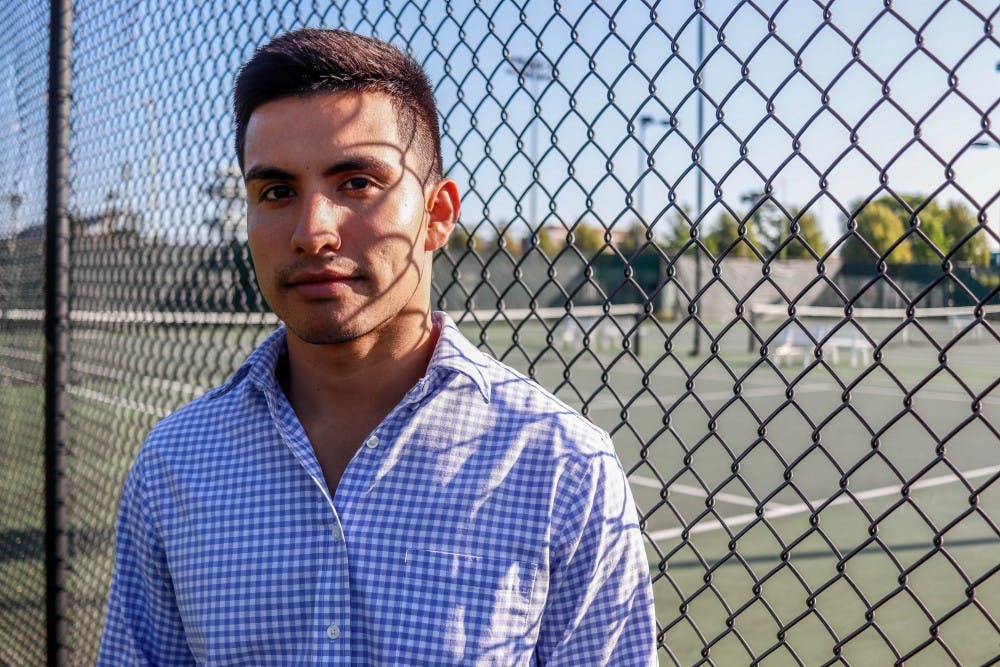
{"x":23,"y":355}
{"x":698,"y":492}
{"x":145,"y":381}
{"x":935,"y":395}
{"x":608,"y":403}
{"x":114,"y":401}
{"x":706,"y":526}
{"x":13,"y":373}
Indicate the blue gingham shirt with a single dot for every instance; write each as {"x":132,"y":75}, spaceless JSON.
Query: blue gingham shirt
{"x":483,"y":522}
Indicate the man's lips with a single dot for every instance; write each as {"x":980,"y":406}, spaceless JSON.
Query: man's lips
{"x":309,"y":277}
{"x":321,"y":284}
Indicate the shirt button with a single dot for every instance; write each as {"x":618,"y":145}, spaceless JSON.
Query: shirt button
{"x":338,"y":534}
{"x":333,"y":632}
{"x":372,"y":442}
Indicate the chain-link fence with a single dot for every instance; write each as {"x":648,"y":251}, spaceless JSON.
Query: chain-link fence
{"x":755,"y":240}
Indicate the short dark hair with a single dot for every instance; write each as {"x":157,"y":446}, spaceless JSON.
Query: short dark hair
{"x":311,"y":61}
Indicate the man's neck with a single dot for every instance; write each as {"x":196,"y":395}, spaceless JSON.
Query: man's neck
{"x":342,"y":392}
{"x":368,"y":374}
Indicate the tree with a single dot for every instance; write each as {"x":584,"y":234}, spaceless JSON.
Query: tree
{"x":930,"y":216}
{"x":941,"y":230}
{"x":460,"y":241}
{"x":678,"y":234}
{"x":635,"y":238}
{"x":678,"y":231}
{"x":505,"y":241}
{"x":808,"y":233}
{"x":548,"y":241}
{"x":958,"y":221}
{"x":774,"y":226}
{"x":766,"y":219}
{"x":880,"y":226}
{"x":725,"y":238}
{"x":588,"y":238}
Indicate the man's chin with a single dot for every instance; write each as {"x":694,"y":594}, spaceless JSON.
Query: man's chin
{"x":333,"y":330}
{"x":325,"y":334}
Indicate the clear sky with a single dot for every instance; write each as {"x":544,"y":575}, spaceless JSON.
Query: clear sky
{"x":793,"y":99}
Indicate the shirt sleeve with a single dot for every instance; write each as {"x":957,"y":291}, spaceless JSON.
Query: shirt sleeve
{"x":143,"y":625}
{"x":600,"y":607}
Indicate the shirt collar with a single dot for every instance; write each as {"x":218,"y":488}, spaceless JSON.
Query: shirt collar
{"x":258,"y":369}
{"x":453,"y":353}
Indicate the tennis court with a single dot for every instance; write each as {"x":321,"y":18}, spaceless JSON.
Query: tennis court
{"x":832,"y":499}
{"x":792,"y":507}
{"x":786,"y":507}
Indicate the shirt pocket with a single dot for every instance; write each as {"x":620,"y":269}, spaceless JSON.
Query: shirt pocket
{"x":464,"y":609}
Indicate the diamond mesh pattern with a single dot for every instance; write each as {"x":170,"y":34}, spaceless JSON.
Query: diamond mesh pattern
{"x":24,"y":31}
{"x":749,"y":238}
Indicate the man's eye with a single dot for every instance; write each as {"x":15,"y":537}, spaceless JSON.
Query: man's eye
{"x":276,"y":193}
{"x":357,"y":183}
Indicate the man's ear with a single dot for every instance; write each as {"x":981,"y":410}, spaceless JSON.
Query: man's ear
{"x":442,"y":213}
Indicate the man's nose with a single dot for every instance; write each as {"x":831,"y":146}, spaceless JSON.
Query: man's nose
{"x":317,"y":230}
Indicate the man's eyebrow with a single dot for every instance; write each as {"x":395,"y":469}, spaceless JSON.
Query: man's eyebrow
{"x":263,"y":173}
{"x":359,"y":163}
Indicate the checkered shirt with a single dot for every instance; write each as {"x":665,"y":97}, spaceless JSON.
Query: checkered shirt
{"x":483,"y":522}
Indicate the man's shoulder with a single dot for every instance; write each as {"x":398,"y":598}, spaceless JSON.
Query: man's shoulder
{"x":208,"y":406}
{"x":523,"y":399}
{"x":515,"y":401}
{"x":219,"y":409}
{"x":197,"y":422}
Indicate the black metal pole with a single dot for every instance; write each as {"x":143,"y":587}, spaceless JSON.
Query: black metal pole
{"x":57,"y":237}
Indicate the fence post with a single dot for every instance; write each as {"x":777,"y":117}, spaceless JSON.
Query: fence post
{"x":57,"y":238}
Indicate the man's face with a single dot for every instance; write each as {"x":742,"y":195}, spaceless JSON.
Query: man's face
{"x":341,"y":228}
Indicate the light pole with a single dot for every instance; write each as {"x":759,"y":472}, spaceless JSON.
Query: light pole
{"x":14,"y":199}
{"x":533,"y":70}
{"x":154,"y":159}
{"x":644,"y":122}
{"x":986,"y":144}
{"x":700,"y":176}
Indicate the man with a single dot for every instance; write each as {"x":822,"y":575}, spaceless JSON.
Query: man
{"x":368,"y":488}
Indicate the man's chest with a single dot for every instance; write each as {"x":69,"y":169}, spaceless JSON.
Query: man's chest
{"x":450,"y":539}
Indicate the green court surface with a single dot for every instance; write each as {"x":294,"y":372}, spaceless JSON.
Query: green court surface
{"x":791,"y":513}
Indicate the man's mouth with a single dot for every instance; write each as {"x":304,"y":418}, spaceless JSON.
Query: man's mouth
{"x":322,"y":284}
